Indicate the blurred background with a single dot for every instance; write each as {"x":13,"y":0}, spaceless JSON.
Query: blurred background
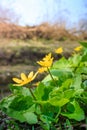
{"x":30,"y":29}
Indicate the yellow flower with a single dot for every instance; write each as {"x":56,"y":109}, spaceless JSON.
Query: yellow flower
{"x":59,"y":50}
{"x":36,"y":84}
{"x":42,"y":69}
{"x":46,"y":61}
{"x":25,"y":79}
{"x":78,"y":48}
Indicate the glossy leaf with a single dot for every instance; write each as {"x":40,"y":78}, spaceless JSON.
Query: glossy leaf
{"x":55,"y":101}
{"x":76,"y":113}
{"x":83,"y":43}
{"x":30,"y":117}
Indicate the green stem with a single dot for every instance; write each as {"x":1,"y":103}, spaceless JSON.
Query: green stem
{"x":58,"y":113}
{"x":51,"y":76}
{"x":32,"y":93}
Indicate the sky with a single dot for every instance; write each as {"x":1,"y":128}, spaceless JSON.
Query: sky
{"x":33,"y":12}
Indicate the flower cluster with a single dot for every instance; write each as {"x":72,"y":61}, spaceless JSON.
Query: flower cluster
{"x":45,"y":64}
{"x":46,"y":61}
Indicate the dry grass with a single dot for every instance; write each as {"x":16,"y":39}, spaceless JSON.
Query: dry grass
{"x":45,"y":30}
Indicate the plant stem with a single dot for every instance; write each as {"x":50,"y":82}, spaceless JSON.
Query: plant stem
{"x":58,"y":113}
{"x":51,"y":76}
{"x":32,"y":93}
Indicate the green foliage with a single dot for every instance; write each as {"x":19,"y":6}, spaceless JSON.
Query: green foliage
{"x":64,"y":93}
{"x":74,"y":111}
{"x":83,"y":43}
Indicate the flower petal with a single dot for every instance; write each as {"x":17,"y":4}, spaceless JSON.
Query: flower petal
{"x":34,"y":76}
{"x":42,"y":69}
{"x":17,"y":80}
{"x":47,"y":57}
{"x":23,"y":76}
{"x":30,"y":74}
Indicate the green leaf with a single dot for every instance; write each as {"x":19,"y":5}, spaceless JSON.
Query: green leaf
{"x":18,"y":115}
{"x":46,"y":118}
{"x":62,"y":64}
{"x":62,"y":75}
{"x":39,"y":92}
{"x":69,"y":93}
{"x":4,"y":106}
{"x":47,"y":80}
{"x":68,"y":124}
{"x":15,"y":105}
{"x":85,"y":84}
{"x":19,"y":90}
{"x":21,"y":103}
{"x":74,"y":112}
{"x":84,"y":57}
{"x":46,"y":121}
{"x":66,"y":85}
{"x":55,"y":101}
{"x":83,"y":43}
{"x":42,"y":92}
{"x":74,"y":60}
{"x":61,"y":95}
{"x":63,"y":91}
{"x":84,"y":97}
{"x":77,"y":85}
{"x":77,"y":82}
{"x":82,"y":70}
{"x":30,"y":117}
{"x":5,"y":102}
